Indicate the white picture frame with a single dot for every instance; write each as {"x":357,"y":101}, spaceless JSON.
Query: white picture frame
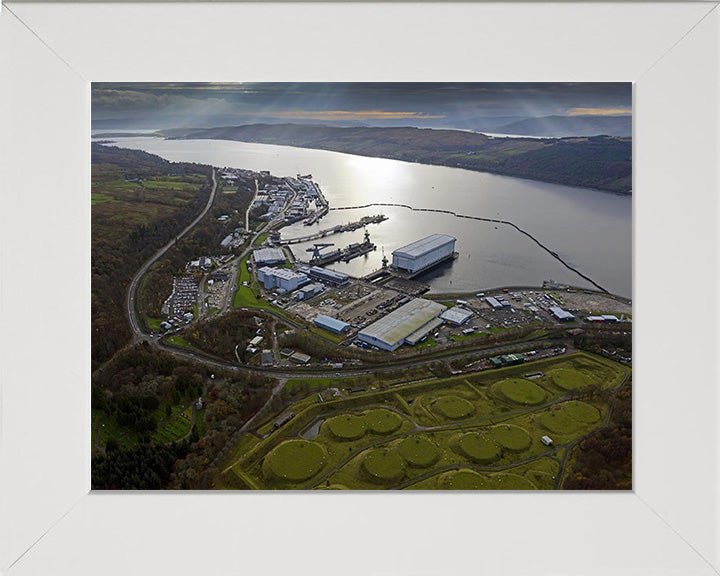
{"x":51,"y":524}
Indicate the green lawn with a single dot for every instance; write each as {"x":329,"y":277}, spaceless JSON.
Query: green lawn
{"x":569,"y":379}
{"x":178,"y":340}
{"x":435,"y":431}
{"x":454,"y":407}
{"x":294,"y":461}
{"x":521,"y":391}
{"x":346,"y":426}
{"x":480,"y":448}
{"x":384,"y":465}
{"x":418,"y":451}
{"x":382,"y":421}
{"x":99,"y":197}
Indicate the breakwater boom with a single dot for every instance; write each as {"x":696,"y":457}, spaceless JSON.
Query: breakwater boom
{"x":482,"y":219}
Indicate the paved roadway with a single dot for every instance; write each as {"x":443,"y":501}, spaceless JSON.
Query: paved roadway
{"x":130,"y":302}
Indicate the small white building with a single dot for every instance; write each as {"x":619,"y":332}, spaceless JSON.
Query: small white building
{"x":547,"y":440}
{"x":456,"y":315}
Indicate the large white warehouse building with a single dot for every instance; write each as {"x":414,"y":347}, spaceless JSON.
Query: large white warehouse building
{"x":423,"y":253}
{"x":390,"y":332}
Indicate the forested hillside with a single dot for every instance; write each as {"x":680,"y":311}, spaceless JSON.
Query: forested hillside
{"x":601,"y":162}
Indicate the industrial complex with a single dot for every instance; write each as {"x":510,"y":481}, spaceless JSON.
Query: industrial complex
{"x":390,"y":332}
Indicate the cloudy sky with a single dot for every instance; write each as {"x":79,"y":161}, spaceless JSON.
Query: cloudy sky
{"x":426,"y":104}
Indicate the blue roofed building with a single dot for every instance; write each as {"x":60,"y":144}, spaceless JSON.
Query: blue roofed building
{"x":332,"y":324}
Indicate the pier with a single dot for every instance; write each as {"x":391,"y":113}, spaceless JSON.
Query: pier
{"x":349,"y":227}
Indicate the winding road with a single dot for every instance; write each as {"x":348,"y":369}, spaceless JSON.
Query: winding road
{"x":132,"y":296}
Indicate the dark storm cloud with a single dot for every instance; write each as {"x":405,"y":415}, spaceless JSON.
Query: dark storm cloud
{"x":365,"y":102}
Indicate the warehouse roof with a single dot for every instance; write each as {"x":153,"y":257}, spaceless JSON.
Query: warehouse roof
{"x":330,"y":322}
{"x":493,"y":302}
{"x":561,"y":314}
{"x":419,"y":334}
{"x":282,"y":273}
{"x":456,"y":315}
{"x":424,"y":246}
{"x":269,"y":255}
{"x":402,"y":322}
{"x":325,"y":273}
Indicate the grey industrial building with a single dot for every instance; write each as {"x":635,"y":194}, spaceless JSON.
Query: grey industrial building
{"x":493,"y":302}
{"x":309,"y":291}
{"x":423,"y":253}
{"x":562,"y":315}
{"x":332,"y":324}
{"x":324,"y":275}
{"x":268,"y":256}
{"x":456,"y":315}
{"x":281,"y":278}
{"x":391,"y":331}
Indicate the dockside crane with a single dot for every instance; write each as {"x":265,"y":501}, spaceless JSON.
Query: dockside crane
{"x":316,"y":250}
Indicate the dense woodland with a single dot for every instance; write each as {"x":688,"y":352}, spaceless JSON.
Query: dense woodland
{"x":128,"y":225}
{"x":219,"y":335}
{"x":130,"y":389}
{"x":603,"y":461}
{"x":601,"y":162}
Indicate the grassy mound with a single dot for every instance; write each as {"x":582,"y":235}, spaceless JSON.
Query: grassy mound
{"x":469,"y":480}
{"x":480,"y":448}
{"x":454,"y":407}
{"x":581,"y":411}
{"x":419,"y":452}
{"x":463,"y":480}
{"x":568,"y":379}
{"x":512,"y":437}
{"x":346,"y":426}
{"x":521,"y":391}
{"x":384,"y":465}
{"x":294,"y":461}
{"x":511,"y":482}
{"x":559,"y":422}
{"x":382,"y":421}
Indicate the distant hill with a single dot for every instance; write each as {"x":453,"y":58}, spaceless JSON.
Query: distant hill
{"x":562,"y":126}
{"x":601,"y":162}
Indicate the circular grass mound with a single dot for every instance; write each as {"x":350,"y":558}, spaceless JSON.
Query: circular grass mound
{"x":521,"y":391}
{"x":454,"y":407}
{"x":558,"y":422}
{"x":512,"y":437}
{"x":479,"y":448}
{"x":511,"y":482}
{"x":294,"y":461}
{"x":419,"y":452}
{"x":382,"y":421}
{"x":568,"y":379}
{"x":384,"y":465}
{"x":346,"y":427}
{"x":581,"y":411}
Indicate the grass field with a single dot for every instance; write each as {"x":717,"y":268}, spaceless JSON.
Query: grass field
{"x":569,"y":379}
{"x":478,"y":431}
{"x":521,"y":391}
{"x":178,"y":340}
{"x":294,"y":460}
